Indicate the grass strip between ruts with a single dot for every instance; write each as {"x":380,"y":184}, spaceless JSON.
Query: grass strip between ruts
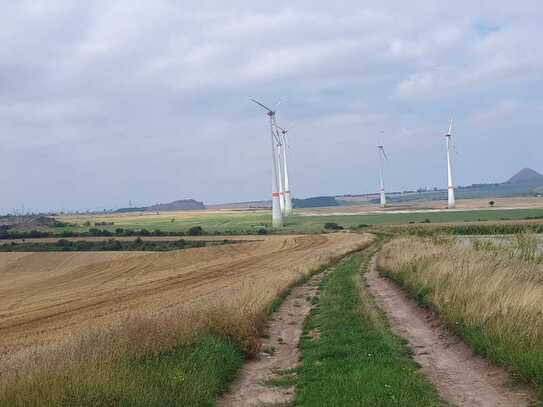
{"x":356,"y":360}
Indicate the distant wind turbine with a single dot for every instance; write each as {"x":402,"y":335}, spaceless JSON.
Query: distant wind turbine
{"x":278,"y":158}
{"x":450,"y":186}
{"x":277,"y":216}
{"x":286,"y":185}
{"x":382,"y":156}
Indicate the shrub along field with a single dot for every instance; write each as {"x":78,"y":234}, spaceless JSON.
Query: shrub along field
{"x":255,"y":222}
{"x":491,"y":295}
{"x":137,"y":244}
{"x":471,"y":228}
{"x":144,"y":329}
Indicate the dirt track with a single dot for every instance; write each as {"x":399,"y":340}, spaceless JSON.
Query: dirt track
{"x":279,"y":353}
{"x":46,"y":296}
{"x":460,"y":377}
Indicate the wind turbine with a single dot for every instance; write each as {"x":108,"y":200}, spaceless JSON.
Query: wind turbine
{"x":277,"y":216}
{"x":450,"y":187}
{"x":382,"y":155}
{"x":286,"y":185}
{"x":278,"y":157}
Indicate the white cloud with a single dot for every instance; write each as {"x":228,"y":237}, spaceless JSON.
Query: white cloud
{"x":117,"y":85}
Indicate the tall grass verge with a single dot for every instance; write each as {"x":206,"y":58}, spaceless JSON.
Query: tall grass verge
{"x":471,"y":228}
{"x":182,"y":358}
{"x":491,"y":296}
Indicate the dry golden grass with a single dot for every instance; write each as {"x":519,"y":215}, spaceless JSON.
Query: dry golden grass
{"x":59,"y":309}
{"x":144,"y":216}
{"x":493,"y":298}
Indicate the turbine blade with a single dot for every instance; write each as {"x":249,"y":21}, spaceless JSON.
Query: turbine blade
{"x":280,"y":128}
{"x":450,"y":128}
{"x":385,"y":154}
{"x":455,"y":151}
{"x":262,"y":105}
{"x":277,"y":137}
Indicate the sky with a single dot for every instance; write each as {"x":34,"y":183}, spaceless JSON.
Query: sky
{"x":104,"y":102}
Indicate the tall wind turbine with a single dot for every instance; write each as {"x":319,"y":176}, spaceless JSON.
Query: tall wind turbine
{"x":450,"y":186}
{"x":382,"y":155}
{"x":278,"y":158}
{"x":277,"y":216}
{"x":286,"y":185}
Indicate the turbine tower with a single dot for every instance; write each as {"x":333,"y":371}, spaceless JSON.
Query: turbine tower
{"x":277,"y":216}
{"x":278,"y":157}
{"x":286,"y":185}
{"x":450,"y":186}
{"x":382,"y":155}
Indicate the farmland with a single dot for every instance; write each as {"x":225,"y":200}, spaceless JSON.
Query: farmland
{"x":200,"y":311}
{"x":243,"y":222}
{"x":43,"y":292}
{"x":106,"y":305}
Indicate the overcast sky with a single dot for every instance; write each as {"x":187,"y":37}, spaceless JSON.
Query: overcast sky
{"x":104,"y":102}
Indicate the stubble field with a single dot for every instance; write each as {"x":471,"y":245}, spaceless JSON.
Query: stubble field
{"x":48,"y":297}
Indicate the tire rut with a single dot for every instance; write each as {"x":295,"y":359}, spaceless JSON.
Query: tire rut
{"x":460,"y":377}
{"x":279,"y":353}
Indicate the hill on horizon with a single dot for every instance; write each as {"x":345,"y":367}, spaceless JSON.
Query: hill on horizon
{"x":314,"y":202}
{"x":179,"y":205}
{"x":525,"y":182}
{"x":526,"y":177}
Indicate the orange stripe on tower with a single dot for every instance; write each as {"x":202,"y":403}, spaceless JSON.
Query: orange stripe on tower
{"x":275,"y":194}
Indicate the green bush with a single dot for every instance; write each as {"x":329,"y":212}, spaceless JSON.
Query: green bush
{"x":332,"y":226}
{"x":196,"y":231}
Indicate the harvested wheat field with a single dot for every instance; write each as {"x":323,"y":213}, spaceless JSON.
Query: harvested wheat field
{"x":47,"y":297}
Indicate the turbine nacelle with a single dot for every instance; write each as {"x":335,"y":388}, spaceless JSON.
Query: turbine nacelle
{"x":270,"y":112}
{"x":283,"y":131}
{"x":381,"y":150}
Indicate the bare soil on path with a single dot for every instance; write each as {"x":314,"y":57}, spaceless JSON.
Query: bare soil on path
{"x":461,"y":378}
{"x":279,"y":353}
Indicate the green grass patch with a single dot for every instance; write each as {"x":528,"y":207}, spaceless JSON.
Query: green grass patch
{"x":473,"y":229}
{"x":254,"y":222}
{"x":284,"y":381}
{"x":188,"y":375}
{"x":357,"y":361}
